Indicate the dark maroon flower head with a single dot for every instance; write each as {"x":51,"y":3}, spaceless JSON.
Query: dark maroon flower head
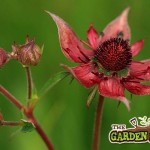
{"x":3,"y":57}
{"x":114,"y":54}
{"x":109,"y":64}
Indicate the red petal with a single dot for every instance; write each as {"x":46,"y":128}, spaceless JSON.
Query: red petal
{"x":92,"y":37}
{"x":70,"y":43}
{"x":112,"y":88}
{"x":140,"y":69}
{"x":117,"y":26}
{"x":137,"y":88}
{"x":136,"y":47}
{"x":84,"y":75}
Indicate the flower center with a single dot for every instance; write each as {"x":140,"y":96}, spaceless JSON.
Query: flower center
{"x":114,"y":54}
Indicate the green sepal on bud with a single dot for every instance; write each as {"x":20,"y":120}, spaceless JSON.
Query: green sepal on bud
{"x":106,"y":72}
{"x":41,"y":49}
{"x":123,"y":73}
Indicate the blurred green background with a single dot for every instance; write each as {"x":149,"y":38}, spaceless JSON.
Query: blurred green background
{"x":62,"y":112}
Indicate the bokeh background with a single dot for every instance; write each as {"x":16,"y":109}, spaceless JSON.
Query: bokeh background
{"x":62,"y":112}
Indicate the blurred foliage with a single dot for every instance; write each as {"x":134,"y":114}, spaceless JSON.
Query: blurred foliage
{"x":63,"y":112}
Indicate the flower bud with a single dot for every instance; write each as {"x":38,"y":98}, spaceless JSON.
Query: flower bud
{"x":29,"y":53}
{"x":15,"y":51}
{"x":3,"y":57}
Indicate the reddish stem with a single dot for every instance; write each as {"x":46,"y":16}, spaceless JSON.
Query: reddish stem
{"x":40,"y":131}
{"x":29,"y":80}
{"x":10,"y":123}
{"x":11,"y":98}
{"x":98,"y":122}
{"x":29,"y":115}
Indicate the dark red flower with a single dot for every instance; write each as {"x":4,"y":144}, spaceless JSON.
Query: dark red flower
{"x":109,"y":63}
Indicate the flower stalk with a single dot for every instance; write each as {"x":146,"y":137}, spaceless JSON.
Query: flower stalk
{"x":28,"y":114}
{"x":40,"y":131}
{"x":11,"y":123}
{"x":11,"y":98}
{"x":98,"y":122}
{"x":29,"y":82}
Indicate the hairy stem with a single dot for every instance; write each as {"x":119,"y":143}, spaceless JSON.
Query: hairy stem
{"x":98,"y":121}
{"x":11,"y":98}
{"x":29,"y":80}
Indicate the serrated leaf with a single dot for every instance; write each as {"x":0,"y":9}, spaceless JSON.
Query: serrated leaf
{"x":27,"y":127}
{"x":52,"y":82}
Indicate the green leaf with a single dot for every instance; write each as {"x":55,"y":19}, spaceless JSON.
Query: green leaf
{"x":91,"y":96}
{"x":52,"y":82}
{"x":27,"y":127}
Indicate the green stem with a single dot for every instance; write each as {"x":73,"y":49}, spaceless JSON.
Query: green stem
{"x":98,"y":121}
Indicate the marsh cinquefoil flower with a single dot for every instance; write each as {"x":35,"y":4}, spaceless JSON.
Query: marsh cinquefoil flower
{"x":109,"y":63}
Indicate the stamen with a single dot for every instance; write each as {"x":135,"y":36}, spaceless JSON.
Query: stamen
{"x":120,"y":35}
{"x":83,"y":54}
{"x":100,"y":75}
{"x":102,"y":34}
{"x":114,"y":54}
{"x":129,"y":79}
{"x":86,"y":44}
{"x":82,"y":60}
{"x":114,"y":74}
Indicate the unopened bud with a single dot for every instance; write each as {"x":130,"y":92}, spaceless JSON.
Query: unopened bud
{"x":15,"y":51}
{"x":3,"y":57}
{"x":29,"y":53}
